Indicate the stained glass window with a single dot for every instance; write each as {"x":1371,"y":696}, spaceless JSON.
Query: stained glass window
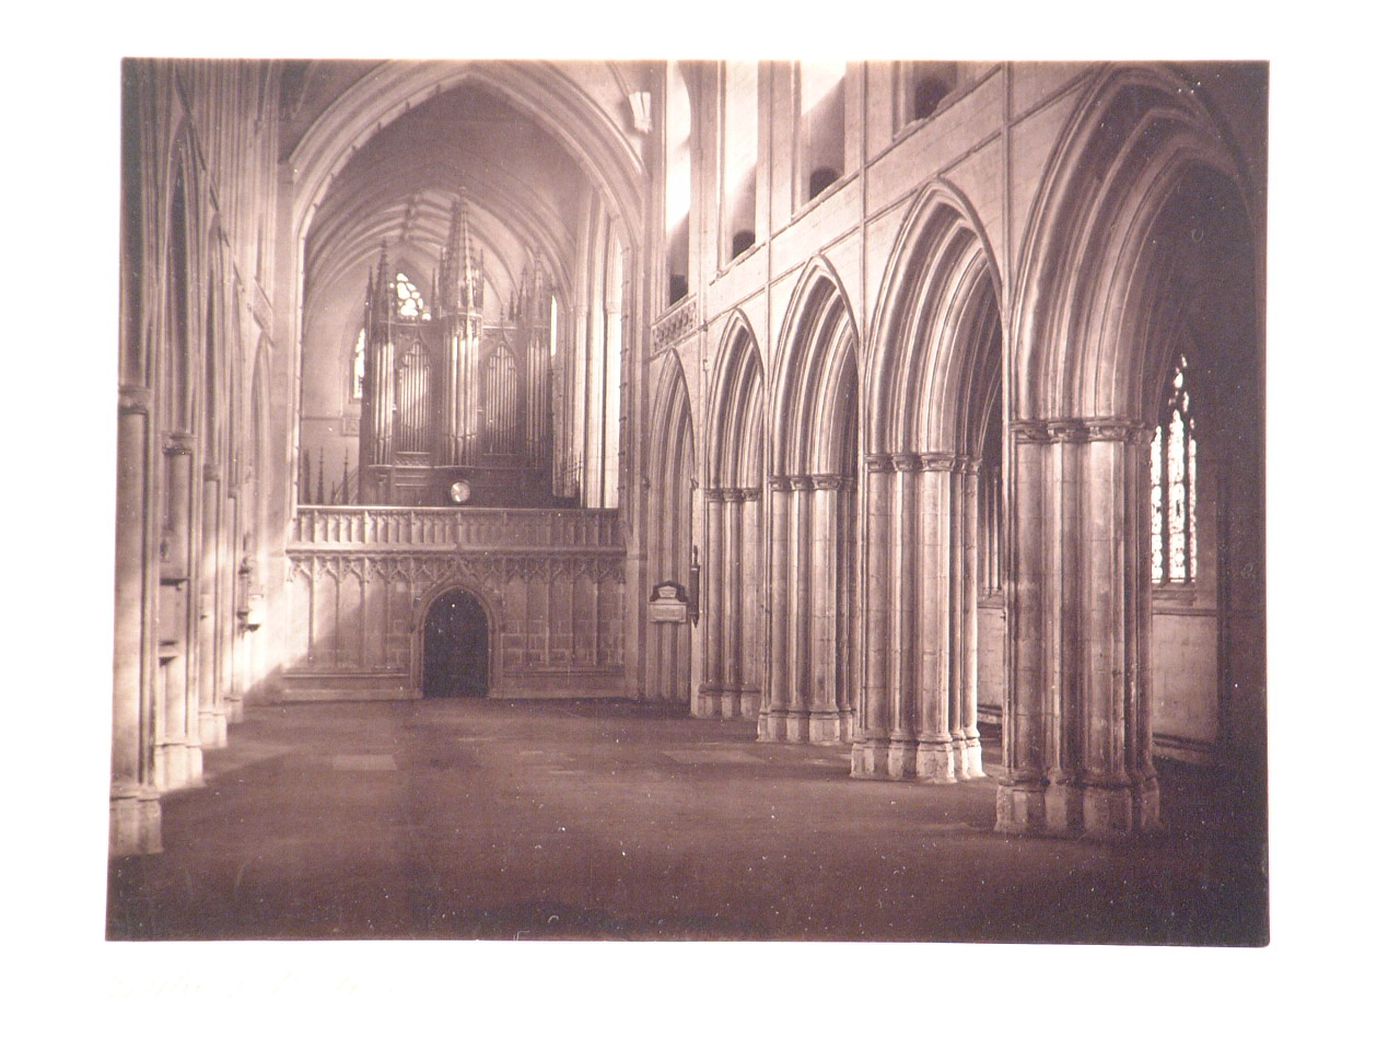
{"x":1173,"y":465}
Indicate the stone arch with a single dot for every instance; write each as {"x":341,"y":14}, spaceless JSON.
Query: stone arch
{"x":934,"y":387}
{"x":813,"y":403}
{"x":540,"y":90}
{"x":1088,"y":255}
{"x":937,"y":315}
{"x":812,"y":525}
{"x":671,"y":483}
{"x":489,"y":602}
{"x":1142,"y":229}
{"x":732,"y":668}
{"x":178,"y":758}
{"x":736,"y":442}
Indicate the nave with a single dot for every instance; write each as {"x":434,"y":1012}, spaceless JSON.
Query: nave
{"x":541,"y":820}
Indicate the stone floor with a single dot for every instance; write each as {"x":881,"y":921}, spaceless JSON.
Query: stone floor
{"x":491,"y":819}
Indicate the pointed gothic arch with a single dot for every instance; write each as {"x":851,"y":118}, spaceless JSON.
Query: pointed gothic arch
{"x":1143,"y":225}
{"x":732,"y":668}
{"x":671,"y":483}
{"x":812,"y":526}
{"x":933,"y":392}
{"x":178,"y":758}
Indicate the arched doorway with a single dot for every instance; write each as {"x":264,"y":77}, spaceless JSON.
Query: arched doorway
{"x":456,"y":647}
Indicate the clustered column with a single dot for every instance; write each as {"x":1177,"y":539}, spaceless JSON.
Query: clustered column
{"x":805,"y":699}
{"x":213,"y":726}
{"x":709,"y":697}
{"x":135,"y":806}
{"x":178,"y":759}
{"x":1078,"y":736}
{"x":773,"y":714}
{"x":919,"y":708}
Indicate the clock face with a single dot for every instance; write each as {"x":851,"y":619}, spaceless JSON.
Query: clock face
{"x":460,"y":492}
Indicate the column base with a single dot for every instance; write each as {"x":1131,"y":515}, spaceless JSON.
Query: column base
{"x":1113,"y":810}
{"x":806,"y":727}
{"x":750,"y":700}
{"x":938,"y":761}
{"x":707,"y":702}
{"x":967,"y":758}
{"x":724,"y":701}
{"x":134,"y":823}
{"x":884,"y":759}
{"x":179,"y":764}
{"x":233,"y":707}
{"x":1021,"y":807}
{"x":213,"y":729}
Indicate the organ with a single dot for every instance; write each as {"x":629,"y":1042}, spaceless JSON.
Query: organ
{"x":456,"y":411}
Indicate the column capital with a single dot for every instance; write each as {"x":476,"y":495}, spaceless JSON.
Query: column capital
{"x":712,"y":495}
{"x":134,"y":400}
{"x":738,"y":495}
{"x":966,"y":465}
{"x":1081,"y":430}
{"x":801,"y":483}
{"x":827,"y":482}
{"x":780,"y":483}
{"x":1116,"y":429}
{"x":879,"y":463}
{"x":179,"y":443}
{"x":905,"y":461}
{"x":936,"y":460}
{"x":1029,"y":431}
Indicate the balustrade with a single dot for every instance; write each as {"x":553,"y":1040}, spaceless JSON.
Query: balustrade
{"x":453,"y":528}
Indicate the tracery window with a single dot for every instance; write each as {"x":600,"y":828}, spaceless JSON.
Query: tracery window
{"x":411,"y":308}
{"x":411,"y":304}
{"x":1174,"y":484}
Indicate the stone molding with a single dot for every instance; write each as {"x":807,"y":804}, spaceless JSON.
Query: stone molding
{"x":879,"y":463}
{"x":425,"y":570}
{"x":134,"y":400}
{"x":727,"y":494}
{"x":179,"y":443}
{"x":453,"y":529}
{"x":1080,"y":431}
{"x":674,"y":325}
{"x":825,"y":482}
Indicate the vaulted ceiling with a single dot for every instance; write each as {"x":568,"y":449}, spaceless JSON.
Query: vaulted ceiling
{"x":524,"y":191}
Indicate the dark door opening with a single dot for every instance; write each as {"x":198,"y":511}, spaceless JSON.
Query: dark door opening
{"x":456,"y":647}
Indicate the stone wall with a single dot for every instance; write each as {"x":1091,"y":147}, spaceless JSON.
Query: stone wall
{"x":361,"y":583}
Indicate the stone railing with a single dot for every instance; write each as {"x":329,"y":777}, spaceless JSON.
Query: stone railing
{"x":453,"y":529}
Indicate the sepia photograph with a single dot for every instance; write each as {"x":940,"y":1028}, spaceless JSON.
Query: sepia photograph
{"x":691,"y":500}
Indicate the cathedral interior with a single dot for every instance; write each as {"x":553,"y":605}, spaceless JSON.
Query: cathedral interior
{"x":713,"y":500}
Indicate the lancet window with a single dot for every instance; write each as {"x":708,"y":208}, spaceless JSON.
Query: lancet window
{"x":1174,"y":484}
